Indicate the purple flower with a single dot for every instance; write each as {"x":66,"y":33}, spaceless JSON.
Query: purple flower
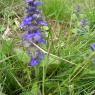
{"x":92,"y":46}
{"x":28,"y":1}
{"x":30,"y":9}
{"x":33,"y":62}
{"x":42,"y":41}
{"x":39,"y":54}
{"x":37,"y":3}
{"x":35,"y":15}
{"x":83,"y":22}
{"x":36,"y":60}
{"x":42,"y":22}
{"x":34,"y":33}
{"x":37,"y":36}
{"x":28,"y":36}
{"x":26,"y":21}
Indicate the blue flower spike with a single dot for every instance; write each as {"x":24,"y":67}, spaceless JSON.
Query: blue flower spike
{"x":32,"y":24}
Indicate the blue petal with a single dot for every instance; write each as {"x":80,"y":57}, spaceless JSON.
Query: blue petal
{"x":29,"y":10}
{"x":28,"y":36}
{"x":42,"y":22}
{"x":37,"y":3}
{"x":26,"y":21}
{"x":40,"y":54}
{"x":37,"y":36}
{"x":28,"y":1}
{"x":93,"y":46}
{"x":34,"y":61}
{"x":42,"y":41}
{"x":35,"y":15}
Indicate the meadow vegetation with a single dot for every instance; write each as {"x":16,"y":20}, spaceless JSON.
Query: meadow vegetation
{"x":69,"y":64}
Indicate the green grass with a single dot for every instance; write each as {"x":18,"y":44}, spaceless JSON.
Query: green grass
{"x":67,"y":70}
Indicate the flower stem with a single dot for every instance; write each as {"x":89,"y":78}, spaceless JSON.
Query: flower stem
{"x":43,"y":80}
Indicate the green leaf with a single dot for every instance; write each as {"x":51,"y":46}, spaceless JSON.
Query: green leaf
{"x":26,"y":93}
{"x":2,"y":93}
{"x":2,"y":28}
{"x":34,"y":91}
{"x":22,"y":55}
{"x":74,"y":17}
{"x":34,"y":88}
{"x":7,"y":46}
